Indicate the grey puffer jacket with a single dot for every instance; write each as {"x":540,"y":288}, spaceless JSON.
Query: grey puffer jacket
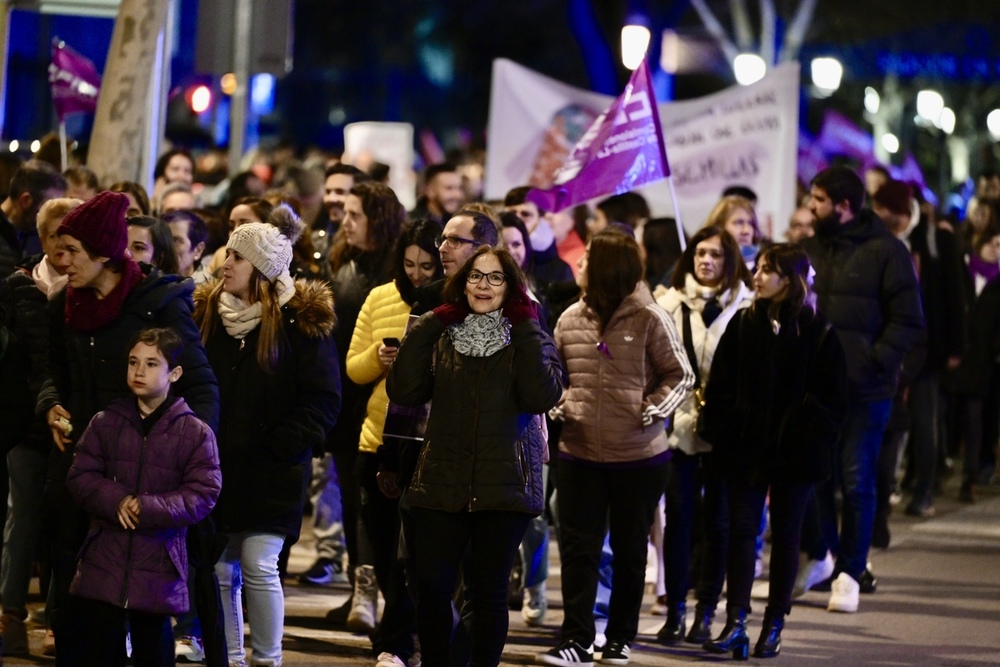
{"x":174,"y":471}
{"x":483,"y":447}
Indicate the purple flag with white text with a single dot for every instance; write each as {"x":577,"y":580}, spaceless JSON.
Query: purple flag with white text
{"x":622,"y":150}
{"x":74,"y":81}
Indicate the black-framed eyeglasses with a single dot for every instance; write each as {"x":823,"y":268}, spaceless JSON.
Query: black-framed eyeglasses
{"x":495,"y":278}
{"x":454,"y":241}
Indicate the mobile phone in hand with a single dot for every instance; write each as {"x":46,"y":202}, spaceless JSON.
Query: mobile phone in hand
{"x":390,"y":342}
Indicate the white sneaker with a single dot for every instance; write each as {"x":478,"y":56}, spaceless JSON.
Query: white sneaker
{"x":535,"y":605}
{"x":189,"y":649}
{"x":844,"y":594}
{"x":386,"y":659}
{"x":812,"y":572}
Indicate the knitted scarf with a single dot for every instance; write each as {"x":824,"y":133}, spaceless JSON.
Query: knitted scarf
{"x":85,"y":312}
{"x":481,"y":335}
{"x":240,"y":318}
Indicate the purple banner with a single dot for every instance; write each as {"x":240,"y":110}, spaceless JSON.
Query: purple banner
{"x":622,"y":150}
{"x":74,"y":81}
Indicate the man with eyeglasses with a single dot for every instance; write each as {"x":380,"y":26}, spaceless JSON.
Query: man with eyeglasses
{"x":463,"y":233}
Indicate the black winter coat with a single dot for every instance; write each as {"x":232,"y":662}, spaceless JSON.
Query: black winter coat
{"x":27,"y":319}
{"x":774,"y":403}
{"x":483,"y":447}
{"x":270,"y":425}
{"x":868,"y":290}
{"x":982,"y":349}
{"x":88,"y":370}
{"x":939,"y":265}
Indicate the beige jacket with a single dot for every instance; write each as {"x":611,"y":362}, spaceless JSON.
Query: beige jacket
{"x":622,"y":386}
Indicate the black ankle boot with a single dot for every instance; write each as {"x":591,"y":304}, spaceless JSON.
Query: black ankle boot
{"x":701,"y":629}
{"x":734,"y":636}
{"x":769,"y":644}
{"x":673,"y":630}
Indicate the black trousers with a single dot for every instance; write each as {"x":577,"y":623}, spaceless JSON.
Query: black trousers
{"x":692,"y":484}
{"x":746,"y":502}
{"x":96,"y":636}
{"x":492,"y":538}
{"x":381,"y":519}
{"x":591,"y":502}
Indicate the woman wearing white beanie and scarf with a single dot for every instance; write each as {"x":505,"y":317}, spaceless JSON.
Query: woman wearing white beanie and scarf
{"x":268,"y":339}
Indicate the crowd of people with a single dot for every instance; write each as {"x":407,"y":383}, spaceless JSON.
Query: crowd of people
{"x":183,"y":373}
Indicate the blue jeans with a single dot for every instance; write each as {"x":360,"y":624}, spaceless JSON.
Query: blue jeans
{"x":252,"y":559}
{"x":27,"y":467}
{"x":535,"y":545}
{"x":854,"y":473}
{"x":324,"y":493}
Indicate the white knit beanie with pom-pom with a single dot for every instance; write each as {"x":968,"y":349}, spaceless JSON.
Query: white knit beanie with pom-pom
{"x":268,"y":245}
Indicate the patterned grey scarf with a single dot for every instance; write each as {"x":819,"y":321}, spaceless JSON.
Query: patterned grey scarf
{"x":481,"y":335}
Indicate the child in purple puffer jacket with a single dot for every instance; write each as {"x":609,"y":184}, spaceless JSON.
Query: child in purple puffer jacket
{"x":145,"y":469}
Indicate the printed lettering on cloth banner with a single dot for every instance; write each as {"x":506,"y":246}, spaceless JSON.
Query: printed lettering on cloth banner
{"x":742,"y":135}
{"x":74,"y":81}
{"x":621,"y":151}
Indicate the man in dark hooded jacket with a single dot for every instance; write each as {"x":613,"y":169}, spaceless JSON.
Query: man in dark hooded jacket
{"x":867,"y":288}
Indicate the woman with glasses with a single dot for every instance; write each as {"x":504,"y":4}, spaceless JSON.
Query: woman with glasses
{"x":490,"y":370}
{"x":628,"y":372}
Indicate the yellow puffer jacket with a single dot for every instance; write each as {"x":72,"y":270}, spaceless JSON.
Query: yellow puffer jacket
{"x":383,"y":315}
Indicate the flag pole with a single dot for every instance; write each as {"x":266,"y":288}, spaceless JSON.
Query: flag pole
{"x":677,"y":213}
{"x":62,"y":145}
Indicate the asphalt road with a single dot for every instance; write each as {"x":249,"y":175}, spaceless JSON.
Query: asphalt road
{"x":937,"y":603}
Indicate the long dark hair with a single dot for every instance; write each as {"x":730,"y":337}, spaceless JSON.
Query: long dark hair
{"x":511,"y":220}
{"x":454,"y":287}
{"x":790,"y":261}
{"x":734,"y":270}
{"x":420,"y":233}
{"x":164,"y":254}
{"x":614,"y":266}
{"x":385,"y":217}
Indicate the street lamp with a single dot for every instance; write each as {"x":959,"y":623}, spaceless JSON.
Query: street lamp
{"x":635,"y":42}
{"x":749,"y":68}
{"x":872,"y":100}
{"x":930,"y":104}
{"x":993,"y":124}
{"x":826,"y":75}
{"x":890,"y":142}
{"x":946,"y":121}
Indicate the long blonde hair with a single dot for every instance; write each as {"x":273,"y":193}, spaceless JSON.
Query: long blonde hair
{"x":272,"y":327}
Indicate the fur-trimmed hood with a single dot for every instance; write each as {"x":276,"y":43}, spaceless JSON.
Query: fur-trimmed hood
{"x":310,"y":310}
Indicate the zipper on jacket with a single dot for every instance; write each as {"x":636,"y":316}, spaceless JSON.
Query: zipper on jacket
{"x":131,"y":536}
{"x":475,"y":432}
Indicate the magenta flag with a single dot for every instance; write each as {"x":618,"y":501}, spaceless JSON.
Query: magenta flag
{"x":74,"y":81}
{"x":622,"y":150}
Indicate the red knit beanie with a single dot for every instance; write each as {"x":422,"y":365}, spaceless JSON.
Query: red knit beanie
{"x":895,"y":196}
{"x":99,"y":224}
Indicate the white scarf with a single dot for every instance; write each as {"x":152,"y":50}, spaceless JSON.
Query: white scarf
{"x":240,"y":318}
{"x":47,"y":279}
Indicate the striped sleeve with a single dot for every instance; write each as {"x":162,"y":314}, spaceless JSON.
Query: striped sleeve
{"x":669,"y":364}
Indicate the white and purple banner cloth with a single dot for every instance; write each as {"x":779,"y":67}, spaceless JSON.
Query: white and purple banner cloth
{"x":742,"y":135}
{"x":74,"y":81}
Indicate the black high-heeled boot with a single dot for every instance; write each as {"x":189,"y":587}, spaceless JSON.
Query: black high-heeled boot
{"x":701,"y":629}
{"x":769,"y":643}
{"x":734,"y":636}
{"x":673,"y":630}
